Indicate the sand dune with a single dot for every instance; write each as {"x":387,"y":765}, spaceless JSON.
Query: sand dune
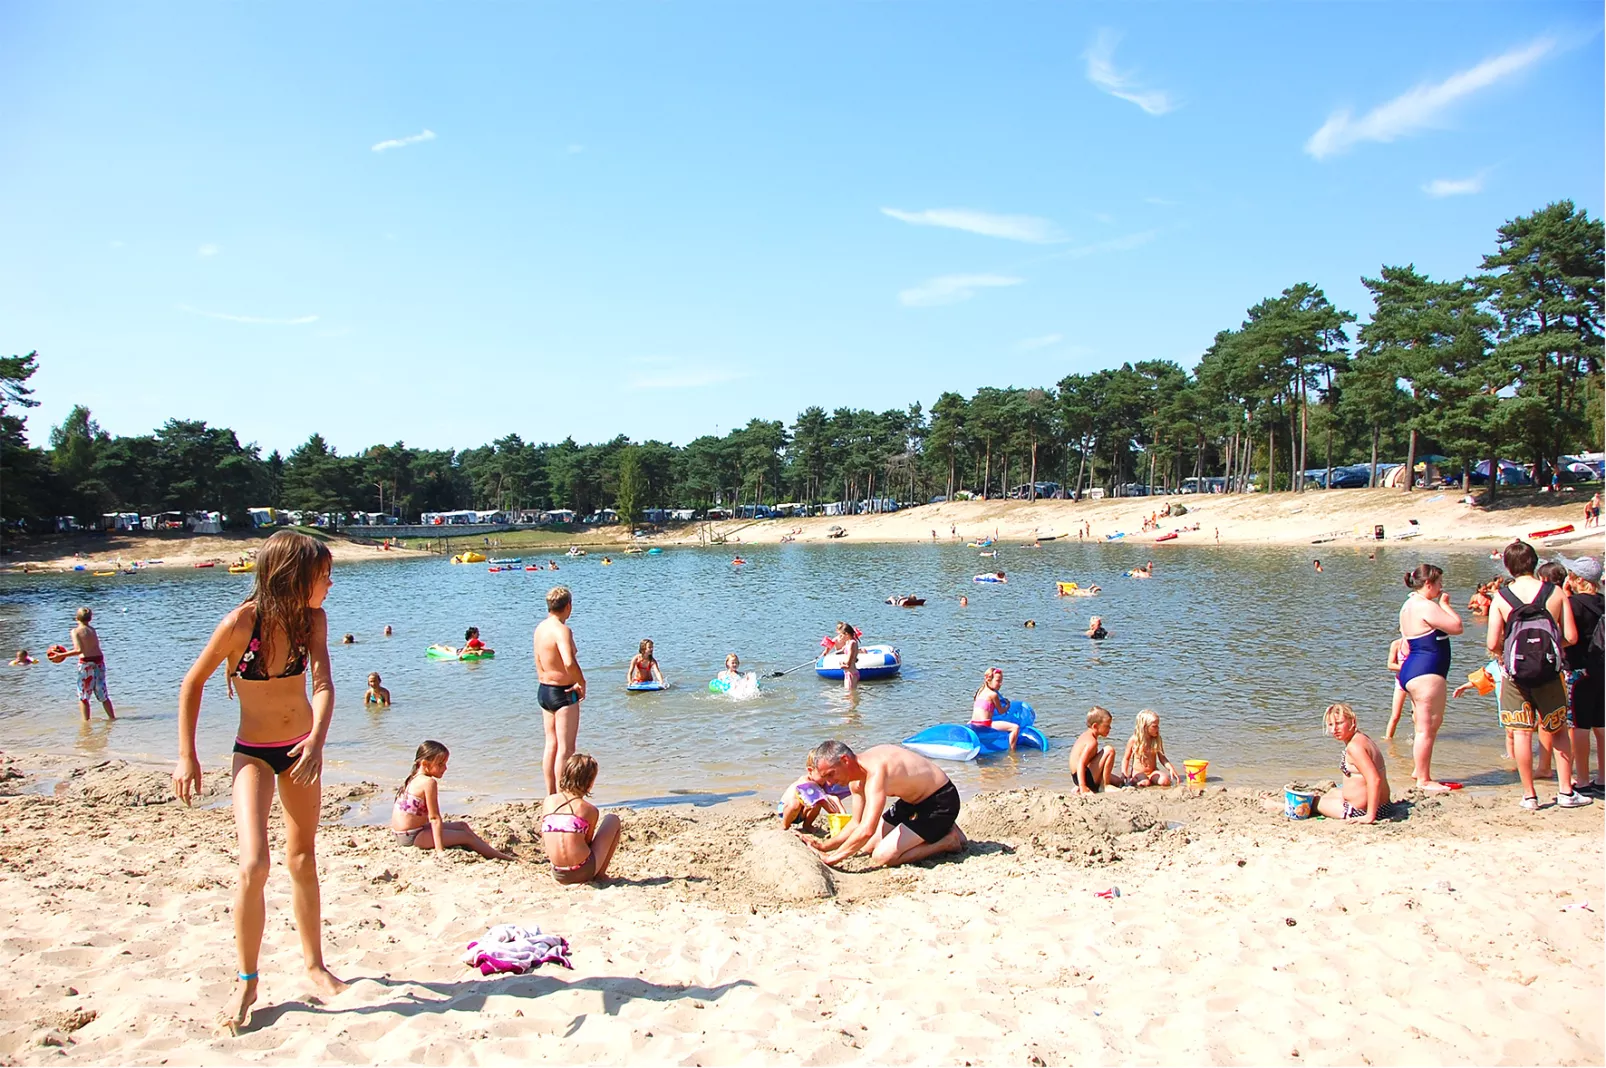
{"x":1238,"y":938}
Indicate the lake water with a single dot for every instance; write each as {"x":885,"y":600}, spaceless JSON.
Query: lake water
{"x":1238,"y":649}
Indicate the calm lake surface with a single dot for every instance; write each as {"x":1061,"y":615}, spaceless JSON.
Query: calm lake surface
{"x":1238,"y":649}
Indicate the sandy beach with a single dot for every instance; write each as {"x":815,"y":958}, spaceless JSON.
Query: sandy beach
{"x":175,"y":550}
{"x":1337,"y":518}
{"x":1464,"y":932}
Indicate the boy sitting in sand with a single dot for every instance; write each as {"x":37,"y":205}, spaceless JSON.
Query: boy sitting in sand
{"x":377,"y":694}
{"x":805,"y":799}
{"x":1092,"y":764}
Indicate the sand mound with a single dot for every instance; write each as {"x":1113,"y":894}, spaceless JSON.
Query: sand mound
{"x":786,"y":867}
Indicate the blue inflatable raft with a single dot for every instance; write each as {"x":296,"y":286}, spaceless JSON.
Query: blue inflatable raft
{"x":960,"y":741}
{"x":646,"y":687}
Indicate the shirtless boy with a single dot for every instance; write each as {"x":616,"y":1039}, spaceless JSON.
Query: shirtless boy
{"x":918,"y":824}
{"x":1091,"y":763}
{"x":562,"y":683}
{"x":91,"y":665}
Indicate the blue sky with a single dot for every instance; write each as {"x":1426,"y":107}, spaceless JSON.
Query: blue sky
{"x":444,"y":223}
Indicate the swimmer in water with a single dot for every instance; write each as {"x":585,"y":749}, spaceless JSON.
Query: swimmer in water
{"x":964,"y":602}
{"x":643,"y":666}
{"x":1318,"y":565}
{"x":1095,"y":629}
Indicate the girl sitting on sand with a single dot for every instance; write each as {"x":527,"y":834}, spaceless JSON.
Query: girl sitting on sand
{"x":579,"y":840}
{"x":643,"y":666}
{"x":272,"y":644}
{"x":415,"y":817}
{"x":988,"y":703}
{"x":1363,"y":791}
{"x":1144,"y":763}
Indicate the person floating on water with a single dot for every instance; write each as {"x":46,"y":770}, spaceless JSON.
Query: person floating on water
{"x":1095,"y":629}
{"x":388,"y":631}
{"x":1317,"y":564}
{"x":988,"y":702}
{"x":22,"y":659}
{"x":272,"y":644}
{"x":562,"y":685}
{"x":643,"y":666}
{"x":348,"y":639}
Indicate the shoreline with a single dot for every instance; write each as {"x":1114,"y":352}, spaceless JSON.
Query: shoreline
{"x":174,"y":551}
{"x":716,"y":941}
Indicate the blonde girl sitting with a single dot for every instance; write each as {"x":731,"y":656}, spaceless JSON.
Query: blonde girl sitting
{"x":1144,"y":763}
{"x":578,"y":839}
{"x":415,"y":818}
{"x":1363,"y":791}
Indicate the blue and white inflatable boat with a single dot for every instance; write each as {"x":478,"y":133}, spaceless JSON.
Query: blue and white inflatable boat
{"x":875,"y":662}
{"x":961,"y":741}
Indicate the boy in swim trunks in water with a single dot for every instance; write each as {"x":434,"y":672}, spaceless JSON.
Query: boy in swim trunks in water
{"x":562,"y":685}
{"x":1092,"y":764}
{"x":91,"y":665}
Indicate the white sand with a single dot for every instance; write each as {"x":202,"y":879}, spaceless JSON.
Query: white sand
{"x":1238,"y":938}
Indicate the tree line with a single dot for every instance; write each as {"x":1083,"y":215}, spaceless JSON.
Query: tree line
{"x":1505,"y":361}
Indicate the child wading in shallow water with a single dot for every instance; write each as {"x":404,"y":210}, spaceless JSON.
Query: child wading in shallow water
{"x":377,"y":694}
{"x":415,"y":818}
{"x":271,"y":644}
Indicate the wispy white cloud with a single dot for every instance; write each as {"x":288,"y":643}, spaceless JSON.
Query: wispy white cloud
{"x":1114,"y":244}
{"x":670,"y":372}
{"x":575,"y":150}
{"x":1160,"y":201}
{"x":1421,"y":107}
{"x":403,"y":142}
{"x":1102,"y":73}
{"x":206,"y":252}
{"x":952,"y":289}
{"x":1454,"y":187}
{"x":253,"y":320}
{"x":1031,"y":344}
{"x":1028,"y":228}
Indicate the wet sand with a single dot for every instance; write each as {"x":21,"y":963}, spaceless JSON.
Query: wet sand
{"x":1451,"y":934}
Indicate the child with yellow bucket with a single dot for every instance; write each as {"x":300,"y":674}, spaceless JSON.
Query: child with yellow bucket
{"x":804,"y":800}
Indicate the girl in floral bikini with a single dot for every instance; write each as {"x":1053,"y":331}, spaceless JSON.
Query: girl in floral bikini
{"x":415,"y":818}
{"x":270,"y":645}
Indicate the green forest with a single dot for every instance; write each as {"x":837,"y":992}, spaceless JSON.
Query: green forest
{"x":1505,"y":362}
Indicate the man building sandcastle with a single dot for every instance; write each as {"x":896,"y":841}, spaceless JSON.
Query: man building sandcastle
{"x":918,"y":824}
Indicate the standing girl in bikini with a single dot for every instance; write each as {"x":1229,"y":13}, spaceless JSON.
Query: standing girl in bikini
{"x":847,"y":643}
{"x":579,"y":840}
{"x":1426,"y":623}
{"x":268,"y":645}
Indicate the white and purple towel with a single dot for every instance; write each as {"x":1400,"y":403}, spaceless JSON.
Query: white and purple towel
{"x":509,"y":948}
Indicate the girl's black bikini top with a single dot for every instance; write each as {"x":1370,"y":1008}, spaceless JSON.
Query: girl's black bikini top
{"x":248,"y":668}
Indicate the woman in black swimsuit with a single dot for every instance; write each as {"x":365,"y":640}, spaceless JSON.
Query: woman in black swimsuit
{"x":267,"y":646}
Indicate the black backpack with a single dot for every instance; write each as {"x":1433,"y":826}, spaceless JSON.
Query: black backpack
{"x":1531,"y":652}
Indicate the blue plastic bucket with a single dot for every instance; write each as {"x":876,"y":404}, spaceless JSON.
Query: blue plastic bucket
{"x":1298,"y":804}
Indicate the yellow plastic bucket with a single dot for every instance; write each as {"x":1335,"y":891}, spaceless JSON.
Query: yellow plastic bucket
{"x":838,"y":822}
{"x":1195,"y":771}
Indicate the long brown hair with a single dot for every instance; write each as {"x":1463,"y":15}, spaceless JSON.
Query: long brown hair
{"x":287,"y":566}
{"x":430,"y":750}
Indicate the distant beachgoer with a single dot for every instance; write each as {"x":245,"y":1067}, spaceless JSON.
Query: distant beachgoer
{"x":562,"y":684}
{"x":1584,"y":664}
{"x":643,"y":666}
{"x":348,"y":639}
{"x":1144,"y":762}
{"x":1095,"y":629}
{"x":964,"y":602}
{"x":91,"y":665}
{"x":22,"y":659}
{"x":415,"y":817}
{"x":1426,"y":623}
{"x":847,"y":643}
{"x":388,"y":631}
{"x":805,"y":799}
{"x":579,"y":841}
{"x":1092,"y":764}
{"x":988,"y":702}
{"x":1030,"y":623}
{"x":1318,"y":565}
{"x":551,"y":565}
{"x":271,"y":644}
{"x":919,"y":823}
{"x":1397,"y":651}
{"x":1592,"y":512}
{"x":1535,"y":697}
{"x":471,"y":640}
{"x":377,"y":694}
{"x":1363,"y":792}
